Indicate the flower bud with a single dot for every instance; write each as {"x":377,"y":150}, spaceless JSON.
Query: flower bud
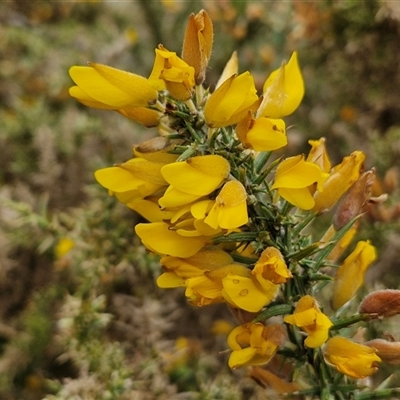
{"x":387,"y":351}
{"x":382,"y":303}
{"x":197,"y":44}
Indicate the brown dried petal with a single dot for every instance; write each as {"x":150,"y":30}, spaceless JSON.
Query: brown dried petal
{"x":387,"y":351}
{"x":382,"y":303}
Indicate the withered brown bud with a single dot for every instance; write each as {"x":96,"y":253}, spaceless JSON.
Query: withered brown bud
{"x":275,"y":333}
{"x":354,"y":200}
{"x":381,"y":303}
{"x":387,"y":351}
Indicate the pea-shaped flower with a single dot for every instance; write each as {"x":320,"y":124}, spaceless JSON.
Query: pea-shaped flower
{"x":231,"y":101}
{"x":310,"y":319}
{"x":351,"y":358}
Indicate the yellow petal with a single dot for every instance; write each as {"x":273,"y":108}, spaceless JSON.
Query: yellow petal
{"x":295,"y":172}
{"x":243,"y":293}
{"x":112,"y":86}
{"x":159,"y":238}
{"x":283,"y":90}
{"x":119,"y":179}
{"x":267,"y":134}
{"x":145,"y":116}
{"x":198,"y":175}
{"x":231,"y":68}
{"x":230,"y":208}
{"x":231,"y":101}
{"x":170,"y":280}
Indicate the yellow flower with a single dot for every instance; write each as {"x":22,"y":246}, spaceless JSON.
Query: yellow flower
{"x":231,"y":101}
{"x":254,"y":343}
{"x":341,"y":177}
{"x":351,"y":358}
{"x":207,"y":259}
{"x":283,"y":90}
{"x":172,"y":73}
{"x":262,"y":134}
{"x":350,"y":275}
{"x":244,"y":292}
{"x":63,"y":247}
{"x":230,"y":209}
{"x":271,"y":267}
{"x":104,"y":87}
{"x":191,"y":179}
{"x":197,"y":44}
{"x":132,"y":180}
{"x":293,"y":179}
{"x":308,"y":317}
{"x":158,"y":237}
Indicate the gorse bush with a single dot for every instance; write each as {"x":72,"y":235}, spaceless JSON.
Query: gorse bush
{"x":232,"y":218}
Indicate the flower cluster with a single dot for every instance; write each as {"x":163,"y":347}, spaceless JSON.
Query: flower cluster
{"x":227,"y":214}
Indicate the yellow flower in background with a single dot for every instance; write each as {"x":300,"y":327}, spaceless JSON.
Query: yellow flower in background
{"x":230,"y":208}
{"x":283,"y":90}
{"x":311,"y":320}
{"x":132,"y":180}
{"x":350,"y":358}
{"x":231,"y":101}
{"x":293,"y":179}
{"x":193,"y":178}
{"x":350,"y":275}
{"x":341,"y":177}
{"x":197,"y":44}
{"x":111,"y":88}
{"x":63,"y":247}
{"x":262,"y":134}
{"x":254,"y":344}
{"x":172,"y":73}
{"x":271,"y":267}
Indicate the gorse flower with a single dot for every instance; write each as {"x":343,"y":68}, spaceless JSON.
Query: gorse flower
{"x":232,"y":222}
{"x":308,"y":317}
{"x":351,"y":358}
{"x":254,"y":344}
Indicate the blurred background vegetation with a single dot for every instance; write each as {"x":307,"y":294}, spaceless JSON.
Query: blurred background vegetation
{"x":80,"y":315}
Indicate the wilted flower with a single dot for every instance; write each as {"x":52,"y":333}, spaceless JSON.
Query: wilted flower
{"x":353,"y":202}
{"x":389,"y":352}
{"x":351,"y":358}
{"x":197,"y":44}
{"x":381,"y":303}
